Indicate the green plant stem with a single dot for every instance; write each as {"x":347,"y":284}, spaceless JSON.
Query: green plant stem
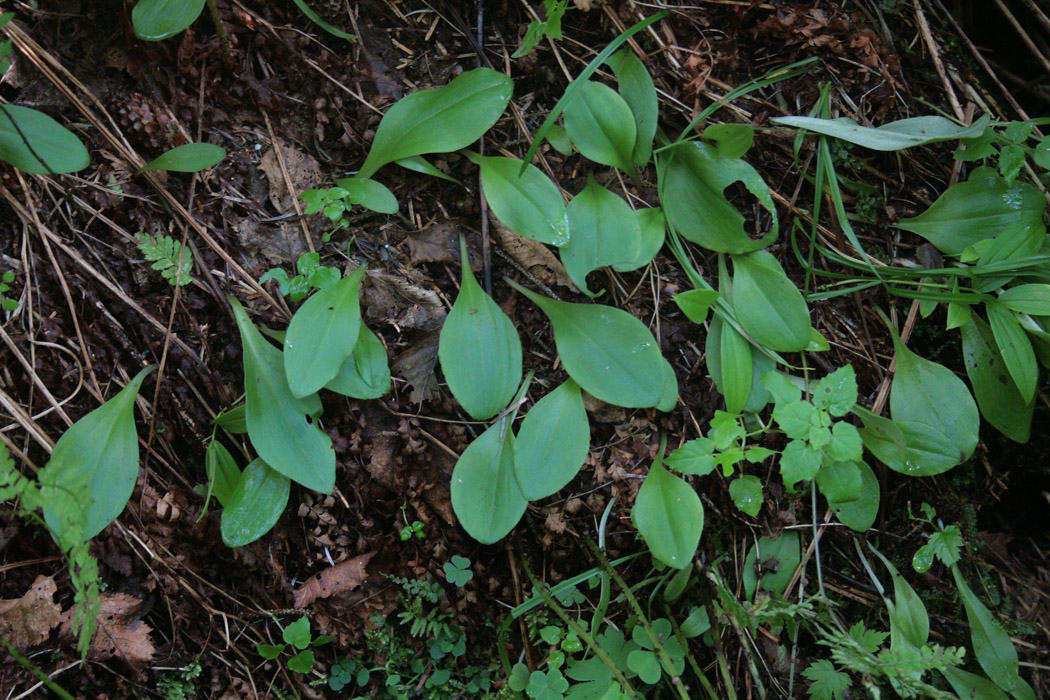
{"x":603,"y":598}
{"x":697,"y":671}
{"x":36,"y":671}
{"x":220,"y":31}
{"x":705,"y":595}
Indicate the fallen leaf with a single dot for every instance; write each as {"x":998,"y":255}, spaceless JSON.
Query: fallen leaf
{"x":303,"y":171}
{"x":28,"y":620}
{"x":341,"y":578}
{"x":400,"y":302}
{"x":534,"y":257}
{"x":119,"y":631}
{"x":436,"y":243}
{"x":416,"y":366}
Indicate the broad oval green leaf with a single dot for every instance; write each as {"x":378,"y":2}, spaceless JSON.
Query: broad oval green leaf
{"x":526,"y":201}
{"x":485,"y":493}
{"x":733,"y":140}
{"x":321,"y":335}
{"x":154,"y":20}
{"x":840,"y":482}
{"x":1015,"y":349}
{"x":985,"y":206}
{"x":440,"y":119}
{"x":652,"y":225}
{"x":692,"y":179}
{"x":903,"y":133}
{"x":188,"y":158}
{"x":970,"y":685}
{"x":785,"y":551}
{"x":552,"y":443}
{"x":601,"y":125}
{"x":997,"y":396}
{"x":909,"y":447}
{"x":369,"y":194}
{"x":479,"y":349}
{"x":277,"y":420}
{"x":255,"y":505}
{"x":102,"y":448}
{"x":608,"y":352}
{"x":859,"y":514}
{"x":60,"y":148}
{"x":668,"y":515}
{"x":637,"y":89}
{"x":768,"y":305}
{"x":366,"y":373}
{"x":604,"y":231}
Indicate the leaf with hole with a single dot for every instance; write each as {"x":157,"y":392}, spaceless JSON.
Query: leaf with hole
{"x":27,"y":136}
{"x":997,"y":396}
{"x":768,"y":305}
{"x":668,"y":515}
{"x":366,"y":373}
{"x":635,"y":86}
{"x":552,"y":443}
{"x":485,"y":492}
{"x":441,"y":119}
{"x":154,"y":20}
{"x":601,"y":125}
{"x":604,"y":231}
{"x":255,"y":505}
{"x":188,"y":158}
{"x":897,"y":135}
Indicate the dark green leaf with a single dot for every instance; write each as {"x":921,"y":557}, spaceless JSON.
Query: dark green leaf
{"x":232,"y":420}
{"x":223,"y":472}
{"x":485,"y":493}
{"x":1015,"y":349}
{"x":601,"y":125}
{"x":733,"y":140}
{"x":552,"y":443}
{"x":903,"y":133}
{"x":154,"y":20}
{"x":778,"y":558}
{"x":997,"y":396}
{"x":827,"y":682}
{"x":255,"y":505}
{"x":637,"y":89}
{"x":840,"y":482}
{"x":59,"y":147}
{"x":651,"y":226}
{"x":768,"y":305}
{"x":859,"y":515}
{"x":188,"y":158}
{"x":369,"y":194}
{"x":971,"y":686}
{"x":668,"y":515}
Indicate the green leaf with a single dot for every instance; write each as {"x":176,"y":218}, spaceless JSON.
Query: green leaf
{"x":101,"y":448}
{"x":845,"y":444}
{"x":903,"y":133}
{"x":733,"y":140}
{"x":485,"y":494}
{"x":778,"y":557}
{"x":907,"y":609}
{"x":735,"y":374}
{"x":768,"y":305}
{"x":527,"y":203}
{"x":651,"y":225}
{"x":695,"y":303}
{"x":997,"y":396}
{"x":908,"y":447}
{"x":798,"y":462}
{"x":366,"y":373}
{"x":188,"y":158}
{"x":858,"y":515}
{"x":668,"y":515}
{"x":255,"y":505}
{"x":946,"y":544}
{"x":746,"y":492}
{"x":270,"y":651}
{"x":559,"y":139}
{"x":984,"y":206}
{"x":837,"y":392}
{"x":222,"y":471}
{"x":971,"y":686}
{"x":316,"y":19}
{"x":840,"y":482}
{"x":694,"y":457}
{"x":303,"y":662}
{"x":440,"y":119}
{"x":276,"y":419}
{"x":549,"y":685}
{"x":368,"y":194}
{"x":645,"y":664}
{"x":608,"y":352}
{"x":60,"y":149}
{"x":321,"y":335}
{"x":1027,"y":299}
{"x":1041,"y":153}
{"x":1015,"y":349}
{"x":168,"y":256}
{"x":479,"y":349}
{"x":232,"y":420}
{"x":601,"y":125}
{"x":637,"y":89}
{"x":552,"y":443}
{"x":604,"y":231}
{"x":298,"y":633}
{"x":692,"y":179}
{"x":418,"y":164}
{"x":154,"y":20}
{"x":827,"y":682}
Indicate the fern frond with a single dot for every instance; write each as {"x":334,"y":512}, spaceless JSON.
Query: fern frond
{"x":164,"y":253}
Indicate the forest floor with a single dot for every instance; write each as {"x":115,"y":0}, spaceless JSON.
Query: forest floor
{"x":298,"y":108}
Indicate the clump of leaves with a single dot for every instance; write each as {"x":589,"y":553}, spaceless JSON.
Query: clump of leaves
{"x":297,"y":636}
{"x":169,"y":257}
{"x":6,"y":303}
{"x":311,"y":275}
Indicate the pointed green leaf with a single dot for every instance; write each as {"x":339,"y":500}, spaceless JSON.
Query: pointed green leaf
{"x":909,"y":447}
{"x":695,"y":303}
{"x":485,"y":493}
{"x":418,"y":164}
{"x":604,"y":232}
{"x":903,"y":133}
{"x":368,"y":194}
{"x":768,"y":305}
{"x":601,"y":125}
{"x":668,"y":515}
{"x":60,"y":148}
{"x":1015,"y":349}
{"x":840,"y":482}
{"x":997,"y":396}
{"x":256,"y":504}
{"x":559,"y":139}
{"x":366,"y":373}
{"x":552,"y":443}
{"x":316,"y":19}
{"x":527,"y":203}
{"x":188,"y":158}
{"x":223,"y":472}
{"x":1027,"y":299}
{"x":321,"y":335}
{"x":651,"y":224}
{"x":103,"y":448}
{"x":440,"y":119}
{"x":970,"y":685}
{"x":277,"y":420}
{"x":733,"y":140}
{"x":734,"y":359}
{"x":637,"y":89}
{"x":608,"y":352}
{"x":907,"y":609}
{"x":154,"y":20}
{"x":232,"y":420}
{"x":858,"y":514}
{"x":479,"y":349}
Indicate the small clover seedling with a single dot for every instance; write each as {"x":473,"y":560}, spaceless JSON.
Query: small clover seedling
{"x":296,"y":635}
{"x":415,"y":528}
{"x":458,"y":571}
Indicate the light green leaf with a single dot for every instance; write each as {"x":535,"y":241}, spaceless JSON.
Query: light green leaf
{"x":255,"y":505}
{"x":798,"y":462}
{"x":321,"y":335}
{"x":736,"y":366}
{"x":997,"y":396}
{"x":827,"y":682}
{"x":837,"y":392}
{"x":297,"y":633}
{"x":971,"y":686}
{"x":368,"y":194}
{"x":604,"y":231}
{"x":760,"y":363}
{"x":303,"y":662}
{"x":223,"y":472}
{"x":695,"y":303}
{"x":692,"y":179}
{"x":904,"y":133}
{"x":668,"y":515}
{"x":188,"y":158}
{"x":784,"y":550}
{"x":1027,"y":299}
{"x":608,"y":352}
{"x":418,"y":164}
{"x":59,"y":147}
{"x":103,"y":449}
{"x":440,"y":119}
{"x":527,"y":203}
{"x":479,"y":349}
{"x":232,"y":420}
{"x":154,"y":20}
{"x":651,"y":226}
{"x":552,"y":443}
{"x":485,"y":493}
{"x":316,"y":19}
{"x":984,"y":206}
{"x":366,"y":373}
{"x":746,"y":492}
{"x":694,"y":457}
{"x":559,"y":139}
{"x":858,"y":515}
{"x":840,"y":482}
{"x":1015,"y":349}
{"x":768,"y":305}
{"x":276,"y":419}
{"x":733,"y":140}
{"x":637,"y":89}
{"x":601,"y":125}
{"x":845,"y":444}
{"x":907,"y":609}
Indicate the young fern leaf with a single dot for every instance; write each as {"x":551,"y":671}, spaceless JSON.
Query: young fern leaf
{"x":167,"y":257}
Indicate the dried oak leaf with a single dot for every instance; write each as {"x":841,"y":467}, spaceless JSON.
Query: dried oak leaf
{"x":341,"y":578}
{"x":28,"y":620}
{"x":119,"y":631}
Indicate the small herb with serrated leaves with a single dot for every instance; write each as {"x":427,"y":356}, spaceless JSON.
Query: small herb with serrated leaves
{"x":169,"y":257}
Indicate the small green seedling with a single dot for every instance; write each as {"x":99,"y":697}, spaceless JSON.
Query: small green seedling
{"x":169,"y":257}
{"x":311,"y":275}
{"x":457,"y":571}
{"x":411,"y":528}
{"x":7,"y":303}
{"x":296,"y":636}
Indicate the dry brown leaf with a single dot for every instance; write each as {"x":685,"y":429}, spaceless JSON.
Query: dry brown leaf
{"x":303,"y":171}
{"x":416,"y":365}
{"x":341,"y":578}
{"x":119,"y":632}
{"x":399,"y":301}
{"x":28,"y":620}
{"x":534,"y":257}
